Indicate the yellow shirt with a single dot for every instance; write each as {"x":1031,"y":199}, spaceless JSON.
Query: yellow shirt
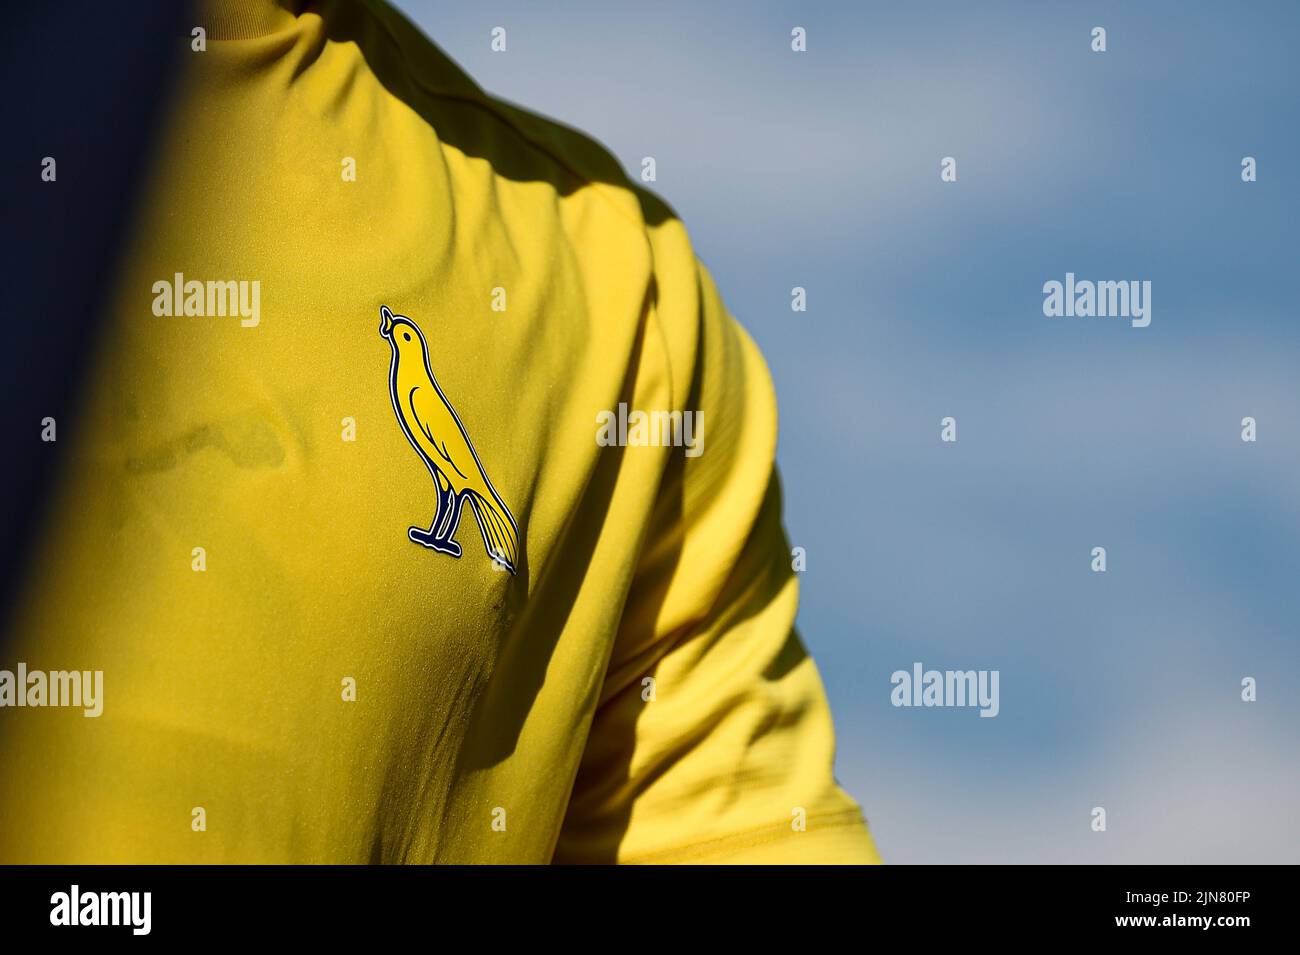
{"x":290,"y":673}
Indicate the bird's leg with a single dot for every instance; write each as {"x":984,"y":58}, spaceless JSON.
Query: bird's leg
{"x":448,"y":527}
{"x":443,"y":543}
{"x":439,"y":526}
{"x":434,"y":536}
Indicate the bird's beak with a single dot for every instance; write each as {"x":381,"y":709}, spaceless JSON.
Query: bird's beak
{"x":385,"y":321}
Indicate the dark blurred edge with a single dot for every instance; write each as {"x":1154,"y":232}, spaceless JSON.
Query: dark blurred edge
{"x":87,"y":83}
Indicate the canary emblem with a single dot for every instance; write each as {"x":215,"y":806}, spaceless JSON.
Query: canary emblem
{"x":431,"y":425}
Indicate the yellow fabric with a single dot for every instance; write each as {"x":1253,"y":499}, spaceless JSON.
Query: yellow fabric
{"x":477,"y":690}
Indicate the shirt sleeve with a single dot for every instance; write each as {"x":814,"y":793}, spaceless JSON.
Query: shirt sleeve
{"x":712,"y":740}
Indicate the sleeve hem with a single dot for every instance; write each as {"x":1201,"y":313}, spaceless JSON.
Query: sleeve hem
{"x":831,"y":839}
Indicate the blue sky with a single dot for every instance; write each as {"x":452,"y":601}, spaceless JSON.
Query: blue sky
{"x":821,"y":170}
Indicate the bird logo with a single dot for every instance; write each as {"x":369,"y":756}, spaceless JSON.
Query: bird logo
{"x":431,"y":425}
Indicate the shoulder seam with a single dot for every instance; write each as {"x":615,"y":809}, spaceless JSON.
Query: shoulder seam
{"x":487,"y":105}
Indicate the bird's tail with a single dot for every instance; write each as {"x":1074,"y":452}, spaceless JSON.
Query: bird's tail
{"x":499,"y":532}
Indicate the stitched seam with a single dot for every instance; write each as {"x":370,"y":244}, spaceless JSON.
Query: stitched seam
{"x":486,"y":104}
{"x":748,"y":838}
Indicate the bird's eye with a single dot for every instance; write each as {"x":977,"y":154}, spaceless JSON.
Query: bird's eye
{"x":406,"y":335}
